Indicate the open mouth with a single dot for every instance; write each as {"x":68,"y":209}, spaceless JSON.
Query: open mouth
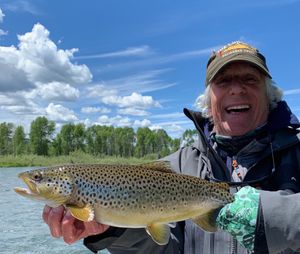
{"x":238,"y":109}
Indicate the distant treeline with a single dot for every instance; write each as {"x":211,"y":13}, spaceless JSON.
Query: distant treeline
{"x":95,"y":140}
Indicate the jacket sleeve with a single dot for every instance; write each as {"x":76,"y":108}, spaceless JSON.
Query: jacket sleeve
{"x":134,"y":241}
{"x":280,"y":210}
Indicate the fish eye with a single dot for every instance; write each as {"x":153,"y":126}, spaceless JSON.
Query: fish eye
{"x":37,"y":177}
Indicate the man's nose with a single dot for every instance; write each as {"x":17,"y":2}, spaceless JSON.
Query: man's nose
{"x":236,"y":86}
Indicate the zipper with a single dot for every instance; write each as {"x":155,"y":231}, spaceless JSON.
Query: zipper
{"x":233,"y":245}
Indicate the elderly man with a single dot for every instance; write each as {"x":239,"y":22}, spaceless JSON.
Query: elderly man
{"x":247,"y":136}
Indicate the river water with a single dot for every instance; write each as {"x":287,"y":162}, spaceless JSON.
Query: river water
{"x":22,"y":229}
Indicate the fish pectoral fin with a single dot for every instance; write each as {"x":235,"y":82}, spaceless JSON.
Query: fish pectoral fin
{"x":207,"y":221}
{"x":85,"y":213}
{"x":160,"y":233}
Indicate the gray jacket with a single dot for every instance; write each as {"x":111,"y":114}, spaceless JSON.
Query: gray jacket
{"x":272,"y":163}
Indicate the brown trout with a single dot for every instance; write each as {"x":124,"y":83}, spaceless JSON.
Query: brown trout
{"x":149,"y":196}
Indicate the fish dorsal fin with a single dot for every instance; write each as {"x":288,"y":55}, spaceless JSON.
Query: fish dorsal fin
{"x":162,"y":166}
{"x":160,"y":233}
{"x":207,"y":221}
{"x":85,"y":213}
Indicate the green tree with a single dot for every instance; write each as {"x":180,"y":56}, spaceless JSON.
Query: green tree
{"x":67,"y":138}
{"x":19,"y":145}
{"x":72,"y":138}
{"x":41,"y":132}
{"x":124,"y":141}
{"x":79,"y":137}
{"x":189,"y":137}
{"x":6,"y":138}
{"x":162,"y":143}
{"x":175,"y":145}
{"x":145,"y":142}
{"x":56,"y":148}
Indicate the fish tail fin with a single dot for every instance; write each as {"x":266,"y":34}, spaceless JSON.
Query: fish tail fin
{"x":207,"y":221}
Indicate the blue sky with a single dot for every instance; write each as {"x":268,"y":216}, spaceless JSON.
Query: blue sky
{"x":132,"y":63}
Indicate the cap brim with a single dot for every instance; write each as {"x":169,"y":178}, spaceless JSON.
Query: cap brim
{"x":236,"y":58}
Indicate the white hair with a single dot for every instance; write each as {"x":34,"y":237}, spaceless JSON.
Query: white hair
{"x":274,"y":94}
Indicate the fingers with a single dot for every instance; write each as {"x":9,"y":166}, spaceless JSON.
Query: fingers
{"x":53,"y":217}
{"x":69,"y":232}
{"x":93,"y":228}
{"x":46,"y":212}
{"x":63,"y":224}
{"x":74,"y":229}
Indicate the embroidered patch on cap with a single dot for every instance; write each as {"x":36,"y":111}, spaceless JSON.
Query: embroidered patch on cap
{"x":236,"y":47}
{"x":235,"y":51}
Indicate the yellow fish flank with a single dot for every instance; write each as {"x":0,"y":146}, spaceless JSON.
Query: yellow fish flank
{"x":149,"y":196}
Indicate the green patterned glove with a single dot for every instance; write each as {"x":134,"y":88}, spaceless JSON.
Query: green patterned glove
{"x":239,"y":217}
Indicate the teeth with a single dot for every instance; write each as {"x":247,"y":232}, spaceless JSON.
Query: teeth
{"x":238,"y":107}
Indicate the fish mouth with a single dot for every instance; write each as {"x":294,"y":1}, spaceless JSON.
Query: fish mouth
{"x":25,"y":192}
{"x":32,"y":188}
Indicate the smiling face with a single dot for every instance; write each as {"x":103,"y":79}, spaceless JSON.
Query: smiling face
{"x":239,"y":102}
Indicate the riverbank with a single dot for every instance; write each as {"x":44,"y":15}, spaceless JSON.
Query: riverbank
{"x":76,"y":157}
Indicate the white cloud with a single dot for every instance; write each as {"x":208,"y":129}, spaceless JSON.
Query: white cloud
{"x":57,"y":91}
{"x":60,"y":113}
{"x":161,"y":59}
{"x":132,"y":111}
{"x":12,"y":77}
{"x":134,"y":100}
{"x":143,"y":123}
{"x":37,"y":60}
{"x":44,"y":63}
{"x":19,"y":103}
{"x":97,"y":91}
{"x":133,"y":51}
{"x":2,"y":32}
{"x":21,"y":6}
{"x":175,"y":115}
{"x":291,"y":92}
{"x":114,"y":121}
{"x":89,"y":110}
{"x":173,"y":130}
{"x":2,"y":15}
{"x":146,"y":81}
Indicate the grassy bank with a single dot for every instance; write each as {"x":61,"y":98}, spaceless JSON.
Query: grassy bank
{"x":76,"y":157}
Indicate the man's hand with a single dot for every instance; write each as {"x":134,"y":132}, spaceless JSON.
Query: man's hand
{"x":63,"y":224}
{"x":239,"y":217}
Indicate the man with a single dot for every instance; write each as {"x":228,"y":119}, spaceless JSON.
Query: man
{"x":247,"y":136}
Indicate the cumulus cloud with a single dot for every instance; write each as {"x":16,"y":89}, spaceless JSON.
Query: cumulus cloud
{"x":132,"y":111}
{"x":98,"y":91}
{"x":37,"y":60}
{"x":135,"y":100}
{"x":12,"y":78}
{"x":90,"y":110}
{"x":114,"y":121}
{"x":20,"y":104}
{"x":60,"y":113}
{"x":55,"y":91}
{"x":143,"y":123}
{"x":44,"y":63}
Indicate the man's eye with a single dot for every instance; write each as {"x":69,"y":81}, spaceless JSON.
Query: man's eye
{"x":250,"y":80}
{"x":223,"y":81}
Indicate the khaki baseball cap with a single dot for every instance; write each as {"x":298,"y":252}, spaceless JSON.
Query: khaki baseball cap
{"x":235,"y":51}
